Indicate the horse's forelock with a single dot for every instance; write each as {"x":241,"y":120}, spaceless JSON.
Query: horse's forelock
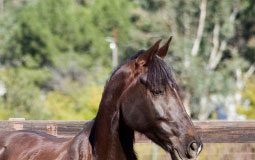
{"x":160,"y":75}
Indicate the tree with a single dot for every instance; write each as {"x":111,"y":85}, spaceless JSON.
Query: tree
{"x":60,"y":43}
{"x":247,"y":108}
{"x":60,"y":48}
{"x":201,"y":51}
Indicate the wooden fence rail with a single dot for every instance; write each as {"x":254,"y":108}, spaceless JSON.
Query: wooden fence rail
{"x":210,"y":131}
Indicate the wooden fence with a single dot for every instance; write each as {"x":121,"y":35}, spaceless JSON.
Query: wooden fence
{"x":210,"y":131}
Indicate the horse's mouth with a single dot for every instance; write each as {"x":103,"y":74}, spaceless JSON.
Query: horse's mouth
{"x":175,"y":155}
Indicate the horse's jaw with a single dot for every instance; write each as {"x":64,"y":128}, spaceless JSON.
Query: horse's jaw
{"x":175,"y":155}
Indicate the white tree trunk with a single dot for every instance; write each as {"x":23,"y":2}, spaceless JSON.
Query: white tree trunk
{"x":249,"y":72}
{"x":1,"y":6}
{"x":217,"y":50}
{"x":200,"y":29}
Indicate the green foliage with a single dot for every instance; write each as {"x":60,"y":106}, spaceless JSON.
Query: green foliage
{"x":46,"y":29}
{"x":249,"y":96}
{"x":52,"y":51}
{"x":23,"y":97}
{"x":110,"y":15}
{"x":245,"y":29}
{"x":55,"y":58}
{"x":181,"y":19}
{"x":79,"y":105}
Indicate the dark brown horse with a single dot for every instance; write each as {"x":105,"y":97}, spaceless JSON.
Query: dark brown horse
{"x":141,"y":95}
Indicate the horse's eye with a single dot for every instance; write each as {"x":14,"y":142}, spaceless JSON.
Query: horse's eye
{"x":143,"y":81}
{"x":157,"y":92}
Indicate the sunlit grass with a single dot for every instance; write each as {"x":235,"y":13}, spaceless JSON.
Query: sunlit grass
{"x":214,"y":151}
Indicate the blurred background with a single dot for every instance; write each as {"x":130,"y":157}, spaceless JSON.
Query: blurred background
{"x":56,"y":55}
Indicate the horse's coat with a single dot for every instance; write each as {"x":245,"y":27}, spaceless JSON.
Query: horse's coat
{"x":28,"y":145}
{"x":141,"y":95}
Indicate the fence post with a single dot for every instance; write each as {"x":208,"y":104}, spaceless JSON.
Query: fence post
{"x":52,"y":129}
{"x":17,"y":125}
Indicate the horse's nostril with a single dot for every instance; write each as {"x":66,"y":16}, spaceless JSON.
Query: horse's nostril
{"x":193,"y":149}
{"x":194,"y":146}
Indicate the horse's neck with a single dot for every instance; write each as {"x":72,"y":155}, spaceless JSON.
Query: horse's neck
{"x":111,"y":138}
{"x":107,"y":144}
{"x":114,"y":144}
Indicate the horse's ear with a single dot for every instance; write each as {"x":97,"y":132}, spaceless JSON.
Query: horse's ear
{"x":163,"y":50}
{"x":147,"y":55}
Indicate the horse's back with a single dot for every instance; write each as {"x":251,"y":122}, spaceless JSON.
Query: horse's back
{"x":30,"y":145}
{"x":2,"y":146}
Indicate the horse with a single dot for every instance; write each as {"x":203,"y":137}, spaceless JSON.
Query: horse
{"x":141,"y":95}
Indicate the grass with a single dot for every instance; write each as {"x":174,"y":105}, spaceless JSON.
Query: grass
{"x":213,"y":151}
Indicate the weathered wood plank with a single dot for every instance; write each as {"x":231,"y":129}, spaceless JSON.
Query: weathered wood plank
{"x":227,"y":131}
{"x":210,"y":131}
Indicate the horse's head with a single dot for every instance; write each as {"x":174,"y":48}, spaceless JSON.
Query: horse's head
{"x":151,"y":104}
